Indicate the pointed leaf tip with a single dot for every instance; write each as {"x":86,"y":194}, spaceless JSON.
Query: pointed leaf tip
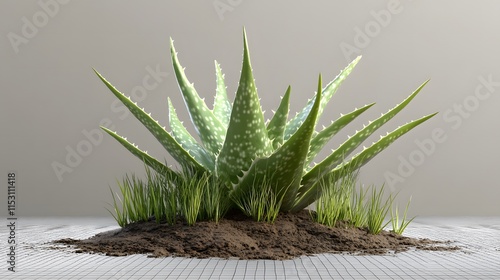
{"x":320,"y":83}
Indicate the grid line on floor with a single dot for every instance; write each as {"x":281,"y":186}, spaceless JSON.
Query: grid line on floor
{"x":479,"y":259}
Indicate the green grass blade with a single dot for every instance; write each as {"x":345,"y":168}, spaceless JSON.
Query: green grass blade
{"x":222,"y":106}
{"x":359,"y":215}
{"x":119,"y":214}
{"x":276,"y":127}
{"x":187,"y":142}
{"x":353,"y":142}
{"x":260,"y":202}
{"x":397,"y":226}
{"x":377,"y":210}
{"x":320,"y":140}
{"x":327,"y":94}
{"x":246,"y":137}
{"x":159,"y":132}
{"x":335,"y":202}
{"x":209,"y":128}
{"x":190,"y":192}
{"x":215,"y":201}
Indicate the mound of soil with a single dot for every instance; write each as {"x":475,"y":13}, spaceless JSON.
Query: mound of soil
{"x":237,"y":236}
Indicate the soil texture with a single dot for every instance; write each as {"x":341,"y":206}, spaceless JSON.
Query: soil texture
{"x":239,"y":237}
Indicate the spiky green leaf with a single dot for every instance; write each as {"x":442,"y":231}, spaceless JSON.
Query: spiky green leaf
{"x":142,"y":155}
{"x":276,"y":127}
{"x":178,"y":153}
{"x":367,"y":154}
{"x":246,"y":137}
{"x":283,"y":169}
{"x":222,"y":106}
{"x":309,"y":195}
{"x":327,"y":94}
{"x":353,"y":142}
{"x":320,"y":139}
{"x":187,"y":142}
{"x":209,"y":128}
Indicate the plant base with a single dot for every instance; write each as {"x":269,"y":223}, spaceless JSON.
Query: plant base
{"x":237,"y":236}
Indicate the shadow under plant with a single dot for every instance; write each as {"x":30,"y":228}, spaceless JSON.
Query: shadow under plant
{"x":242,"y":191}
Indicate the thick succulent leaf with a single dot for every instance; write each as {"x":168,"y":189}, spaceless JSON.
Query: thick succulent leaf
{"x":276,"y":127}
{"x":246,"y":137}
{"x":353,"y":142}
{"x":367,"y":154}
{"x":222,"y":106}
{"x":320,"y":139}
{"x":309,"y":195}
{"x":188,"y":143}
{"x":209,"y":128}
{"x":168,"y":142}
{"x":327,"y":94}
{"x":283,"y":169}
{"x":142,"y":155}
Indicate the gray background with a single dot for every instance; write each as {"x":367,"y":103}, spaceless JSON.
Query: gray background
{"x":50,"y":95}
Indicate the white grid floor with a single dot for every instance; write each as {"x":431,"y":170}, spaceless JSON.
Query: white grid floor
{"x":479,"y":259}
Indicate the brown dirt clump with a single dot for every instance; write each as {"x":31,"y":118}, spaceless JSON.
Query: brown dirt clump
{"x":237,"y":236}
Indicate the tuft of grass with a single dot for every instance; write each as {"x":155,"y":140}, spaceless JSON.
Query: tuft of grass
{"x":339,"y":202}
{"x":346,"y":188}
{"x":170,"y":201}
{"x":334,"y":202}
{"x":260,"y":202}
{"x":398,"y":226}
{"x":138,"y":206}
{"x":155,"y":186}
{"x":359,"y":216}
{"x":376,"y":210}
{"x":119,"y":214}
{"x":190,"y":195}
{"x":141,"y":199}
{"x":194,"y":196}
{"x":215,"y":200}
{"x":134,"y":202}
{"x":327,"y":207}
{"x":163,"y":197}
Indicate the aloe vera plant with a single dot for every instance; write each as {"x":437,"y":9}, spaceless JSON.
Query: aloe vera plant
{"x":238,"y":147}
